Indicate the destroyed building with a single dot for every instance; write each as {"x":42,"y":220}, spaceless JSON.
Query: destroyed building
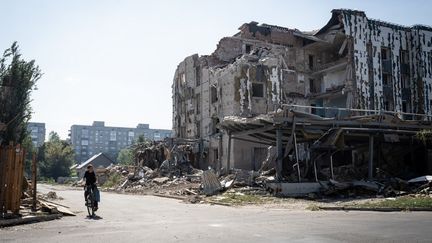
{"x":354,"y":63}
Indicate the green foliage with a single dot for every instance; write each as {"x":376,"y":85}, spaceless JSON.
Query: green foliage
{"x":27,"y":144}
{"x":17,"y":80}
{"x":46,"y":180}
{"x":424,"y":135}
{"x":125,"y":157}
{"x":55,"y":157}
{"x":141,"y":139}
{"x":73,"y":173}
{"x":406,"y":202}
{"x":113,"y":180}
{"x":235,"y":198}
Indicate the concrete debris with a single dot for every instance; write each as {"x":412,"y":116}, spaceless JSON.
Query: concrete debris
{"x":51,"y":196}
{"x":210,"y":183}
{"x":45,"y":206}
{"x":160,"y":169}
{"x":294,"y":189}
{"x":427,"y":178}
{"x":161,"y":180}
{"x":176,"y":177}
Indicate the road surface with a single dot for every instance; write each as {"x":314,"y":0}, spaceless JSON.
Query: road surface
{"x":131,"y":218}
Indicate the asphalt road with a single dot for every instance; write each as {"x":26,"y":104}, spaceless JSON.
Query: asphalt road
{"x":130,"y":218}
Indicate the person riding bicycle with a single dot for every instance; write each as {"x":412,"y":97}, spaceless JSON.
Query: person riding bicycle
{"x":90,"y":180}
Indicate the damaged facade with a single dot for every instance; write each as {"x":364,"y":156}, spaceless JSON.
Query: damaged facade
{"x":352,"y":62}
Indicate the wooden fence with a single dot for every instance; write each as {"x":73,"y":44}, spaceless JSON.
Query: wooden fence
{"x":11,"y":178}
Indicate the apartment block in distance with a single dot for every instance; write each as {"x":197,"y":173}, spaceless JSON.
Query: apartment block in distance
{"x":37,"y":133}
{"x":98,"y":138}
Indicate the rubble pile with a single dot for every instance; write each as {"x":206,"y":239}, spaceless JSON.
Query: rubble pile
{"x":159,"y":169}
{"x":45,"y":203}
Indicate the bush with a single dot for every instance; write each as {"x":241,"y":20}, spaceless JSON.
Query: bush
{"x":112,"y":181}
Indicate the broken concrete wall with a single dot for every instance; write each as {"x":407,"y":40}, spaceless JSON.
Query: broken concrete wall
{"x":245,"y":76}
{"x":352,"y":62}
{"x":371,"y":40}
{"x":421,"y":63}
{"x":268,"y":33}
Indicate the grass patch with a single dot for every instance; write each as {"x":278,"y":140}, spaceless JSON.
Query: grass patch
{"x":238,"y":199}
{"x":313,"y":207}
{"x":406,"y":202}
{"x":47,"y":180}
{"x":112,"y":181}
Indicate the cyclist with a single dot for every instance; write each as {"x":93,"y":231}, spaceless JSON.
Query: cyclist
{"x":90,"y":180}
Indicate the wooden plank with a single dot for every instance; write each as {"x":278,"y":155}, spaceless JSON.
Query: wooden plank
{"x":16,"y":179}
{"x":34,"y":183}
{"x":20,"y":177}
{"x":9,"y":177}
{"x":15,"y":183}
{"x":57,"y":204}
{"x":55,"y":208}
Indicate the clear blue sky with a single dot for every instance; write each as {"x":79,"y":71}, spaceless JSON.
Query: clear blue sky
{"x":115,"y":60}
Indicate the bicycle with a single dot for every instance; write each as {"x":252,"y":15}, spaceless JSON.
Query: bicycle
{"x":90,"y":201}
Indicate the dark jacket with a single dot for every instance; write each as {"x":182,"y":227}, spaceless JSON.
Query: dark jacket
{"x":90,"y":178}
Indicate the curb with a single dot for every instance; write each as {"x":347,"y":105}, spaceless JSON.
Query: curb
{"x":220,"y":204}
{"x":30,"y":219}
{"x":168,"y":196}
{"x":375,"y":209}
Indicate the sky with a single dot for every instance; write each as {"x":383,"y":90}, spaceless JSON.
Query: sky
{"x":114,"y":61}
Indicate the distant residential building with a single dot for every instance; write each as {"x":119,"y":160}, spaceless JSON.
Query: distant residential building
{"x":90,"y":140}
{"x":99,"y":160}
{"x":37,"y":133}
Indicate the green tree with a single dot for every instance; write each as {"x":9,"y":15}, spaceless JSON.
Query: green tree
{"x":55,"y":157}
{"x":125,"y":157}
{"x":141,"y":139}
{"x":27,"y":144}
{"x":18,"y":78}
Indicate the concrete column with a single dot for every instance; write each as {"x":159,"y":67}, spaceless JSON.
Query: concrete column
{"x":220,"y":152}
{"x":371,"y":155}
{"x":279,"y":147}
{"x":229,"y":153}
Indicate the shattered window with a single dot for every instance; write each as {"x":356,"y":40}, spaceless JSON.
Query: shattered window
{"x":311,"y":62}
{"x":386,"y":79}
{"x":215,"y":122}
{"x":257,"y":90}
{"x":385,"y":53}
{"x":198,"y":76}
{"x":404,"y":57}
{"x":248,"y":48}
{"x":213,"y":94}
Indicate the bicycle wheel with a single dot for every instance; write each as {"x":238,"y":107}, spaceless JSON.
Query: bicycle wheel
{"x":90,"y":206}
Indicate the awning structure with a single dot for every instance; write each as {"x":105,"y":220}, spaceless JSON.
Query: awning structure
{"x":309,"y":127}
{"x":290,"y":126}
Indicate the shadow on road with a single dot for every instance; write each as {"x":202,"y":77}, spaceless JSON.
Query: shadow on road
{"x":96,"y":217}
